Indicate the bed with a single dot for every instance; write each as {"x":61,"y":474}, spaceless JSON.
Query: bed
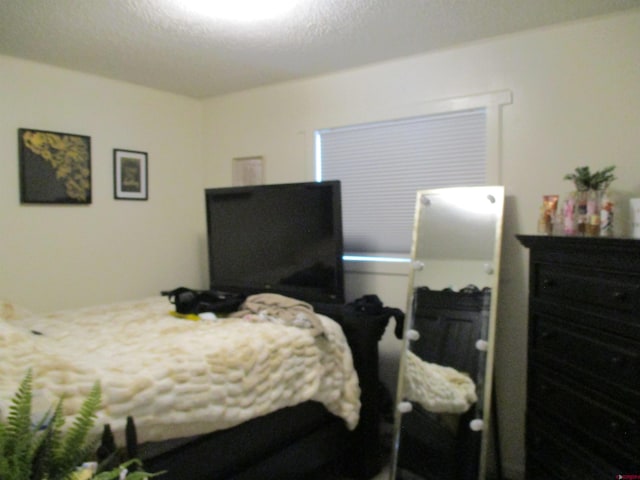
{"x":242,"y":397}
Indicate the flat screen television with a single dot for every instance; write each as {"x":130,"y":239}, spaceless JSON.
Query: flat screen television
{"x":280,"y":238}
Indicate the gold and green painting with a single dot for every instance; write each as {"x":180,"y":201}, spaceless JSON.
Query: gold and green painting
{"x":130,"y":175}
{"x":54,"y":167}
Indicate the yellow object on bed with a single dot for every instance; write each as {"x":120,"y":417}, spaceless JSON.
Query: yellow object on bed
{"x":176,"y":378}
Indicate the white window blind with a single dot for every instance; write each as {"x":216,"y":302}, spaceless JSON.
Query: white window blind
{"x":382,"y":166}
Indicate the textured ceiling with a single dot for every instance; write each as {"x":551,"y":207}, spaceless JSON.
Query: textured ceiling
{"x":158,"y":43}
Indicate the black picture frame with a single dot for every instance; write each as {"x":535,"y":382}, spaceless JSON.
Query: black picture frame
{"x":130,"y":175}
{"x":55,"y":167}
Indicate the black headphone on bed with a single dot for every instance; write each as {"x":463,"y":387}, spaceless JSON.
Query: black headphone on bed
{"x":188,"y":301}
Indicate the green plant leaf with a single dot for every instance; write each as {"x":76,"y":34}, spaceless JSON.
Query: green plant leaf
{"x":584,"y":180}
{"x":18,"y":433}
{"x":46,"y":451}
{"x":75,"y":446}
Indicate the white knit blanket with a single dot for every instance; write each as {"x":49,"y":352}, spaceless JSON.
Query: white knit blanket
{"x":175,"y":377}
{"x":437,"y":388}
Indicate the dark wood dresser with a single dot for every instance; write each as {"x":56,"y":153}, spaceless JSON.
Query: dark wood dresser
{"x":583,"y":385}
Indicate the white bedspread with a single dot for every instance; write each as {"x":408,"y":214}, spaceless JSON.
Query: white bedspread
{"x":175,"y":377}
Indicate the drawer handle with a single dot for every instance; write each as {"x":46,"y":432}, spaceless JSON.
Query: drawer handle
{"x":619,"y":296}
{"x":545,"y":388}
{"x":617,"y":360}
{"x":546,"y":335}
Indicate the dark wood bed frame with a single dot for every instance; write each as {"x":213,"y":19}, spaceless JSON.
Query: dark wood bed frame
{"x":295,"y":442}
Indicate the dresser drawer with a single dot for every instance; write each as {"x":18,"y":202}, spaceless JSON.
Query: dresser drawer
{"x":595,"y":318}
{"x":587,"y":287}
{"x":552,"y":455}
{"x":602,"y":422}
{"x":613,"y":360}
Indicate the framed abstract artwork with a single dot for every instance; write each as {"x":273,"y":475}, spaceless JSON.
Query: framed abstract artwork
{"x":248,"y":171}
{"x":130,"y":169}
{"x":54,"y":167}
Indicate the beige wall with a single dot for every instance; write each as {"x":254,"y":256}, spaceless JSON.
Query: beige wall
{"x":64,"y":256}
{"x":576,"y":102}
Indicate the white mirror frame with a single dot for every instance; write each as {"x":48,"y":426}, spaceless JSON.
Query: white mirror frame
{"x":495,"y":195}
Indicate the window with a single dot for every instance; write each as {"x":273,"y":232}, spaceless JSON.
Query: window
{"x":381,"y":166}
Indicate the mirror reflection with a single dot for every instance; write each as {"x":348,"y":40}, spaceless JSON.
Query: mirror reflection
{"x":444,"y":388}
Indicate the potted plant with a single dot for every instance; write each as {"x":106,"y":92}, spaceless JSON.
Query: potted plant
{"x":47,"y":451}
{"x":590,"y":188}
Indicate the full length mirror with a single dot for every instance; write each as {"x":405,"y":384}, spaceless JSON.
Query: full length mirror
{"x":444,"y":388}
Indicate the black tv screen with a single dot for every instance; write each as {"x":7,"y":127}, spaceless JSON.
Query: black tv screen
{"x":282,"y":238}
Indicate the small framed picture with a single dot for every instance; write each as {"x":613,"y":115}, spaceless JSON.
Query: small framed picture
{"x":54,"y":167}
{"x":248,"y":171}
{"x":130,"y":179}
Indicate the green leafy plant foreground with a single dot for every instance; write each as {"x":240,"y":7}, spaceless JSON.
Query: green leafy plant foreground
{"x":45,"y":451}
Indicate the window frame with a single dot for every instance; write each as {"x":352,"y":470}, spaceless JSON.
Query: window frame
{"x":491,"y":102}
